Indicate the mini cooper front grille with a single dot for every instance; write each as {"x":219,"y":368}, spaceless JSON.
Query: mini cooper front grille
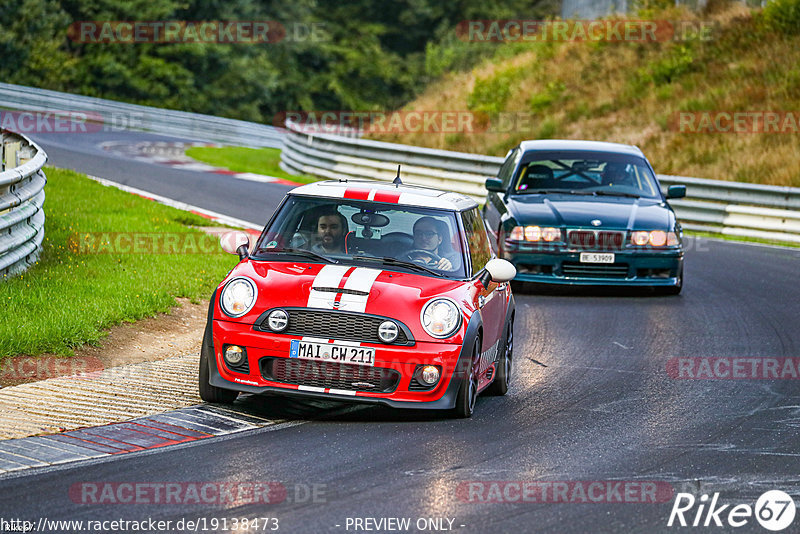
{"x":333,"y":324}
{"x":600,"y":270}
{"x":596,"y":239}
{"x":330,"y":375}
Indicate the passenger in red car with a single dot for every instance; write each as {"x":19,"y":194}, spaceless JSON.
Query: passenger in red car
{"x":432,"y":236}
{"x":331,"y":229}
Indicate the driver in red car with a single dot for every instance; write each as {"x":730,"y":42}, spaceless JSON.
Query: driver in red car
{"x":331,"y":229}
{"x":432,"y":244}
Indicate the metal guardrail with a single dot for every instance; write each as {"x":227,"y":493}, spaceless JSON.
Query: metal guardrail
{"x":21,"y":202}
{"x":122,"y":116}
{"x":717,"y":206}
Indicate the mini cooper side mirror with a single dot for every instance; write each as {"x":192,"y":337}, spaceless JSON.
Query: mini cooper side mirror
{"x":500,"y":270}
{"x":494,"y":184}
{"x":676,"y":191}
{"x":235,"y":243}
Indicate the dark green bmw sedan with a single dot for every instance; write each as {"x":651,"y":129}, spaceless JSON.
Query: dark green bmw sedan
{"x":585,"y":213}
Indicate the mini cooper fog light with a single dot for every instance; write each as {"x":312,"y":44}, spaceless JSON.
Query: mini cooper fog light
{"x":387,"y":331}
{"x":278,"y":320}
{"x":429,"y":375}
{"x":234,"y":355}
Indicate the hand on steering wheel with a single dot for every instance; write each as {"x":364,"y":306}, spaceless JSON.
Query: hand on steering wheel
{"x":428,"y":258}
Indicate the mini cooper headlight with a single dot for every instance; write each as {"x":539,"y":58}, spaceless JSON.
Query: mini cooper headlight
{"x":388,"y":331}
{"x":277,"y":320}
{"x":238,"y":297}
{"x":440,"y":317}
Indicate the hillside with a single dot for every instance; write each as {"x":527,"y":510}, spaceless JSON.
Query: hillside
{"x":634,"y":92}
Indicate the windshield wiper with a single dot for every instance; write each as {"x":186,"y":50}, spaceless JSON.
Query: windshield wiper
{"x":394,"y":261}
{"x":617,"y":194}
{"x":564,"y":191}
{"x":299,"y":252}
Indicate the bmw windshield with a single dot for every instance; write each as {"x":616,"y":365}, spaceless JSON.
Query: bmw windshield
{"x":389,"y":236}
{"x":581,"y":173}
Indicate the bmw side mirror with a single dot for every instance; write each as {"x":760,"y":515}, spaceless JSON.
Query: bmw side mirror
{"x":494,"y":184}
{"x":500,"y":270}
{"x":676,"y":191}
{"x":235,"y":243}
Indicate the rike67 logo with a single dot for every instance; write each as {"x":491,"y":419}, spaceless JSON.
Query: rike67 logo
{"x":774,"y":510}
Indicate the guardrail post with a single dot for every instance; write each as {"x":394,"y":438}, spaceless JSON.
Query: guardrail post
{"x":11,"y":154}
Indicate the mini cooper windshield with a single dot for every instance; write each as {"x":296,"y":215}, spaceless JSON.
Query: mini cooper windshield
{"x":582,"y":173}
{"x":332,"y":230}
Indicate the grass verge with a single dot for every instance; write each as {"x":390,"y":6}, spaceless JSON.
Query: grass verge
{"x":745,"y":239}
{"x":71,"y":296}
{"x":240,"y":159}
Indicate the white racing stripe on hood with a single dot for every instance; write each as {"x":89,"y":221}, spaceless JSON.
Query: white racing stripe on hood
{"x":361,"y":280}
{"x":329,"y":276}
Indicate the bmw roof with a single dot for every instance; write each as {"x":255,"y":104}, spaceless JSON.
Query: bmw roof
{"x":404,"y":194}
{"x":585,"y":146}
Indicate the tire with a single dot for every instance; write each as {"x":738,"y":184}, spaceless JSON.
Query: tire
{"x":505,"y":364}
{"x":468,"y":391}
{"x":208,"y":392}
{"x":672,"y":290}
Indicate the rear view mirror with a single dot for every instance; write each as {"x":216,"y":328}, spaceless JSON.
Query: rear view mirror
{"x":235,"y":243}
{"x":676,"y":191}
{"x":494,"y":184}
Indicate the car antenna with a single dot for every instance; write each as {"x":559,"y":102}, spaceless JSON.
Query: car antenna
{"x":397,"y":181}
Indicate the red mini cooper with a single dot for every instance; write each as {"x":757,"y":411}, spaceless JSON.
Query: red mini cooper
{"x":367,"y":292}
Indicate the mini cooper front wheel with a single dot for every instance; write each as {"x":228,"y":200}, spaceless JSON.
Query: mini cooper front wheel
{"x":504,"y":365}
{"x":208,"y":392}
{"x":468,"y":392}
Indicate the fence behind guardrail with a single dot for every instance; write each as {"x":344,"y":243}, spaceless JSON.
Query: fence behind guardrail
{"x":716,"y":206}
{"x":22,"y":184}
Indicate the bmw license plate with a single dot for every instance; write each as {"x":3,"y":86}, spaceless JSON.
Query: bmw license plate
{"x":332,"y":352}
{"x":594,"y":257}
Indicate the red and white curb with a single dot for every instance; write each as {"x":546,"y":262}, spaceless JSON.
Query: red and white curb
{"x":252,"y":228}
{"x":144,"y":433}
{"x":173,"y":154}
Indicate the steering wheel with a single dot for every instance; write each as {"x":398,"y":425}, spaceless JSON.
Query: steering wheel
{"x":414,"y":256}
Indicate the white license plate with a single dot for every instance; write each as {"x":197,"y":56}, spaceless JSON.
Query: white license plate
{"x":332,"y":352}
{"x":594,"y":257}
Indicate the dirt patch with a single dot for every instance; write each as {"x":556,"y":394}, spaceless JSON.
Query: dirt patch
{"x":176,"y":333}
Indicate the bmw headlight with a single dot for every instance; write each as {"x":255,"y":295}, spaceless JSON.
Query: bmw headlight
{"x":656,"y":238}
{"x":238,"y":297}
{"x":440,"y":317}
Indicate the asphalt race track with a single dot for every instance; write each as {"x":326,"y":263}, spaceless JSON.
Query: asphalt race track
{"x":250,"y":201}
{"x":594,"y":398}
